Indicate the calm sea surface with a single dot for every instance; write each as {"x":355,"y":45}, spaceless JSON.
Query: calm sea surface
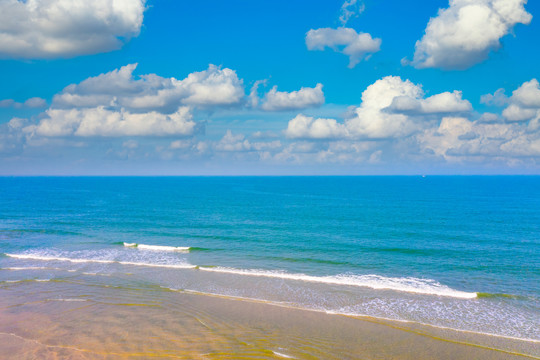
{"x":456,"y":252}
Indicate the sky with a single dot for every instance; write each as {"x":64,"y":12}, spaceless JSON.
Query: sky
{"x":353,"y":87}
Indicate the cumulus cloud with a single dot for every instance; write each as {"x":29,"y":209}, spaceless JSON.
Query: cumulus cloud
{"x":306,"y":127}
{"x":119,"y":104}
{"x":446,"y":102}
{"x":100,"y":121}
{"x":119,"y":88}
{"x":390,"y":108}
{"x":357,"y":46}
{"x":524,"y":104}
{"x":395,"y":120}
{"x":350,"y":9}
{"x":282,"y":101}
{"x":463,"y":34}
{"x":31,"y":103}
{"x":45,"y":29}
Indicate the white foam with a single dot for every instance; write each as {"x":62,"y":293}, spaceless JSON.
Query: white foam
{"x":26,"y":280}
{"x":407,"y":284}
{"x":157,"y":247}
{"x":404,"y":284}
{"x":30,"y":268}
{"x":99,"y":261}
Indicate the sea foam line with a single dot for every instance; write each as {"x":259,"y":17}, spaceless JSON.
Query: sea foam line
{"x":30,"y":268}
{"x":377,"y":282}
{"x":98,"y":261}
{"x":157,"y":247}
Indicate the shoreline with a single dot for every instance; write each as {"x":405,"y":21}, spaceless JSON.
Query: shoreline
{"x":376,"y":319}
{"x":128,"y":323}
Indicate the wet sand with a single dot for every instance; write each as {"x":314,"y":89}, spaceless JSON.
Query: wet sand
{"x":75,"y":320}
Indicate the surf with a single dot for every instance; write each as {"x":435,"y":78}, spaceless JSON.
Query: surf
{"x":376,"y":282}
{"x":157,"y":247}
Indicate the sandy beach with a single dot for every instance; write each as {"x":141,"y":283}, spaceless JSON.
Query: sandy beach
{"x":69,"y":320}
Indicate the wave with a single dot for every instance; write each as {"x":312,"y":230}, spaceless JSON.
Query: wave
{"x":157,"y":247}
{"x":100,"y":261}
{"x":377,"y":282}
{"x":408,"y":284}
{"x":30,"y":268}
{"x":24,"y":280}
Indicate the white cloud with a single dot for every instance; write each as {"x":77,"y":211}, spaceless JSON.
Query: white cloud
{"x":45,"y":29}
{"x":446,"y":102}
{"x":464,"y":33}
{"x":100,"y":121}
{"x":527,"y":95}
{"x":31,"y":103}
{"x":357,"y":46}
{"x":371,"y":121}
{"x":305,"y":97}
{"x":350,"y":9}
{"x":119,"y":89}
{"x":118,"y":104}
{"x":524,"y":104}
{"x":390,"y":108}
{"x":305,"y":127}
{"x":458,"y":138}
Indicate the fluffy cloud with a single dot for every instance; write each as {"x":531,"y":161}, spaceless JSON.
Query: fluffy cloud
{"x":305,"y":97}
{"x":390,"y":108}
{"x":31,"y":103}
{"x":446,"y":102}
{"x":306,"y":127}
{"x":103,"y":122}
{"x":44,"y":29}
{"x":118,"y":104}
{"x":356,"y":46}
{"x":409,"y":126}
{"x":463,"y":34}
{"x":119,"y":88}
{"x":524,"y":104}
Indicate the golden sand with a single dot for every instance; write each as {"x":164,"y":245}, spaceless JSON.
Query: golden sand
{"x":66,"y":320}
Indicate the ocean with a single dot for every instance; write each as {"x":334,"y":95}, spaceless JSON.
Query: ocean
{"x":457,"y":252}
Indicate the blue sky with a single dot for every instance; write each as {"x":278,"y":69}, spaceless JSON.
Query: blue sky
{"x":416,"y":87}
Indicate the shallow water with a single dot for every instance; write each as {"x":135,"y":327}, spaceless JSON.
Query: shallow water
{"x":78,"y":319}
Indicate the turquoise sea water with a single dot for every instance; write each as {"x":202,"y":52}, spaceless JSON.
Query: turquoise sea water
{"x":457,"y":252}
